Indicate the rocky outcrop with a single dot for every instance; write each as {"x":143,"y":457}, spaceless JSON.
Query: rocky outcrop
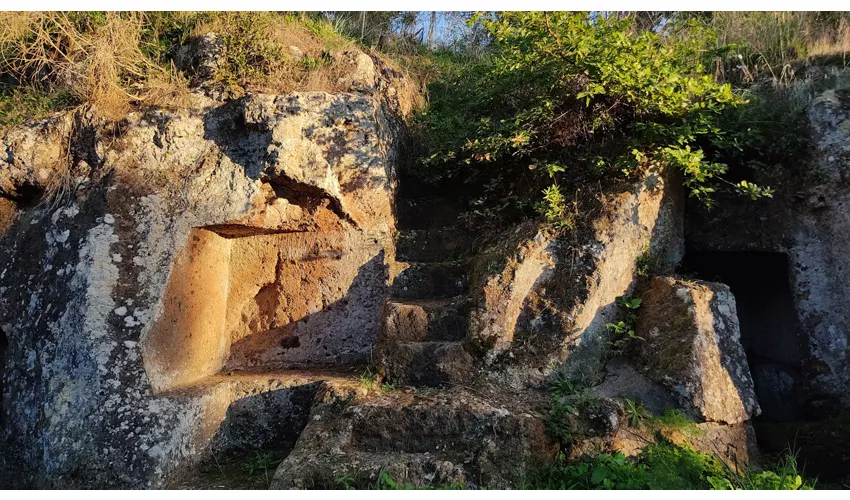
{"x":691,"y":344}
{"x":645,"y":411}
{"x":806,"y":221}
{"x":541,"y":302}
{"x":40,"y":156}
{"x":456,"y":438}
{"x":216,"y":278}
{"x":153,"y":261}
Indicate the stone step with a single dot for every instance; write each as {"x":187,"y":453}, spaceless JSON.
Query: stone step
{"x":425,"y":364}
{"x":431,"y":280}
{"x":439,"y":425}
{"x":425,"y":320}
{"x":433,"y":245}
{"x":427,"y":213}
{"x":361,"y":470}
{"x":446,"y":437}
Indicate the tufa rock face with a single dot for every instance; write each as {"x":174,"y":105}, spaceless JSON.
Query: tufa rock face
{"x":692,"y":346}
{"x":821,"y":276}
{"x":735,"y":443}
{"x":36,"y":158}
{"x":807,"y":219}
{"x":8,"y":214}
{"x":457,"y":437}
{"x":244,"y":237}
{"x":540,"y":303}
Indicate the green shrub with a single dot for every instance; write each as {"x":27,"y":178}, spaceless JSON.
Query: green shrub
{"x":585,"y":95}
{"x":661,"y":466}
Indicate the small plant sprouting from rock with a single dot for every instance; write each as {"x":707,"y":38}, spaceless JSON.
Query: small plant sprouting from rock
{"x":568,"y":396}
{"x":562,"y":385}
{"x":650,"y":263}
{"x":624,"y":330}
{"x":558,"y":421}
{"x":630,"y":304}
{"x":261,"y":462}
{"x":370,"y":381}
{"x":555,"y":208}
{"x":346,"y":482}
{"x":635,"y":412}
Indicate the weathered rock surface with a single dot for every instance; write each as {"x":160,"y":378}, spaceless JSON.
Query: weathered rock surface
{"x":8,"y":214}
{"x":541,"y":303}
{"x":455,"y":437}
{"x":212,"y":279}
{"x":38,"y":158}
{"x":425,"y":320}
{"x":180,"y":246}
{"x":424,"y":325}
{"x":735,"y":443}
{"x":807,"y":219}
{"x":692,"y":346}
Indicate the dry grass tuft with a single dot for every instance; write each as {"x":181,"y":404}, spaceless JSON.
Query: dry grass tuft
{"x":99,"y":61}
{"x":834,"y":44}
{"x":117,"y":61}
{"x":776,"y":39}
{"x":270,"y":52}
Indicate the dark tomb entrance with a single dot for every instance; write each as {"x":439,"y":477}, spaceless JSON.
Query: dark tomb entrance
{"x":775,"y":346}
{"x":769,"y":328}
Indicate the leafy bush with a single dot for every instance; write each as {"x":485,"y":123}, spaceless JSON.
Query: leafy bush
{"x":585,"y":95}
{"x":662,"y":466}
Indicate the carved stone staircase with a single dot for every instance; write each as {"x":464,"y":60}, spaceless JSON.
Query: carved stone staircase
{"x":449,"y":437}
{"x":416,"y":434}
{"x":424,"y":324}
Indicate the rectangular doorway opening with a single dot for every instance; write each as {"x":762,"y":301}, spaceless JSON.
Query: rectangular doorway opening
{"x":770,"y":332}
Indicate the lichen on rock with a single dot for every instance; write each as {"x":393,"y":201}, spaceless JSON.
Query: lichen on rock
{"x":129,"y":297}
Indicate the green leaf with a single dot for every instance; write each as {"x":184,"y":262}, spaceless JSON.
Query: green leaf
{"x":599,"y":474}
